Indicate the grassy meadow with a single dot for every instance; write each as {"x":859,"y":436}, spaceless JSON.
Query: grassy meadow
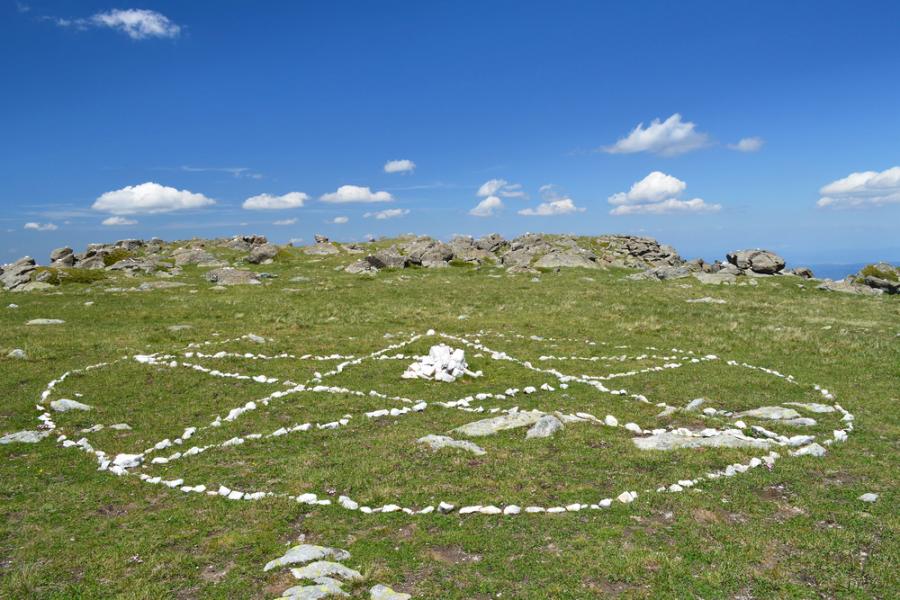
{"x":795,"y":531}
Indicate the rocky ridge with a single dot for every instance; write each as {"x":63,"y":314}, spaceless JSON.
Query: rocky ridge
{"x":227,"y":260}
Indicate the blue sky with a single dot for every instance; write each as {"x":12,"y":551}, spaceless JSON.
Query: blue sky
{"x":116,"y":112}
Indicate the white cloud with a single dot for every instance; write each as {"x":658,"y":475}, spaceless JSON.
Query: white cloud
{"x":667,"y":138}
{"x":399,"y":166}
{"x":41,"y":226}
{"x":137,"y":23}
{"x":487,"y":207}
{"x":748,"y":144}
{"x":555,"y":203}
{"x":867,"y":188}
{"x":340,"y":220}
{"x":270,"y":202}
{"x":354,"y":193}
{"x":390,"y":213}
{"x":285,"y":222}
{"x":149,"y":198}
{"x":657,"y":193}
{"x":115,"y":221}
{"x":655,"y":187}
{"x":500,"y":187}
{"x":563,"y":206}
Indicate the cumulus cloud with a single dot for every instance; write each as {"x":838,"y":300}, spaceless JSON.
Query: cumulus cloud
{"x":41,"y":226}
{"x":149,"y":198}
{"x":563,"y":206}
{"x":554,"y":204}
{"x":340,"y":220}
{"x":501,"y":187}
{"x":862,"y":189}
{"x":285,"y":222}
{"x":487,"y":207}
{"x":354,"y":193}
{"x":390,"y":213}
{"x":270,"y":202}
{"x":399,"y":166}
{"x":667,"y":138}
{"x":118,"y":221}
{"x":657,"y":193}
{"x":748,"y":144}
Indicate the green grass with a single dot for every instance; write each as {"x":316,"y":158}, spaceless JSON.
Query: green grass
{"x":796,"y":531}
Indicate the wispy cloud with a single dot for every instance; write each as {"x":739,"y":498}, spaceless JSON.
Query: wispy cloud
{"x":41,"y":226}
{"x":236,"y":172}
{"x":136,"y":23}
{"x":286,"y":222}
{"x":118,"y":221}
{"x":339,"y":220}
{"x":501,"y":187}
{"x":748,"y":144}
{"x":390,"y":213}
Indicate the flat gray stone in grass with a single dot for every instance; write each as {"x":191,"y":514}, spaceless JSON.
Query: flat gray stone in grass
{"x":773,"y":413}
{"x":501,"y":423}
{"x":325,"y":568}
{"x":672,"y":441}
{"x":45,"y":322}
{"x":17,"y":353}
{"x":305,"y":553}
{"x":545,"y":427}
{"x":325,"y":587}
{"x":436,"y":442}
{"x":383,"y":592}
{"x":24,"y":437}
{"x":64,"y":404}
{"x":868,"y":497}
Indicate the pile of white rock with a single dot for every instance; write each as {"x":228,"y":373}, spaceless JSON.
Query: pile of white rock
{"x":442,"y":363}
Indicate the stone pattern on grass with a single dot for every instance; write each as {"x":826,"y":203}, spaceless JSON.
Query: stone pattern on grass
{"x":737,"y":434}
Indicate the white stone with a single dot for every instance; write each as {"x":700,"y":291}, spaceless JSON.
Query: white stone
{"x":869,"y":497}
{"x":64,"y":404}
{"x":305,"y":553}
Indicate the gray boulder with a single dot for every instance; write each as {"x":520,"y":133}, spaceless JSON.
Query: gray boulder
{"x":758,"y":261}
{"x":428,"y":253}
{"x":18,"y":273}
{"x":262,"y":254}
{"x":521,"y":258}
{"x":882,"y":276}
{"x":848,"y":287}
{"x":195,"y":256}
{"x":567,"y":258}
{"x":387,"y":259}
{"x":92,"y":262}
{"x":804,"y":272}
{"x":361,"y":267}
{"x":492,"y":242}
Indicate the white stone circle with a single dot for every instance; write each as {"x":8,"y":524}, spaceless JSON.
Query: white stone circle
{"x":133,"y":464}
